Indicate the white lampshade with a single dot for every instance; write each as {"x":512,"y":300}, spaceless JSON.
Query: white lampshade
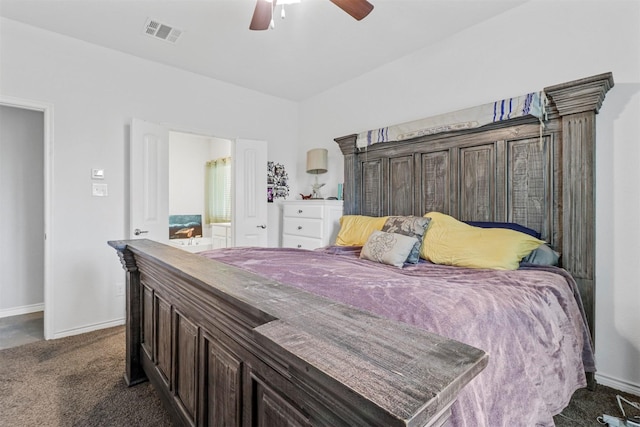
{"x":317,"y":160}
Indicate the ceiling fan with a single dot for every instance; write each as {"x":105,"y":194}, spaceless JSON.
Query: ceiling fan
{"x":263,"y":13}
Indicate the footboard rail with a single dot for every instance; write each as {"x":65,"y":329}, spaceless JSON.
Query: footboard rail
{"x":225,"y":347}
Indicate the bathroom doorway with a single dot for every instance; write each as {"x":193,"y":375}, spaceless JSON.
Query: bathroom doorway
{"x":190,"y":192}
{"x":149,"y":185}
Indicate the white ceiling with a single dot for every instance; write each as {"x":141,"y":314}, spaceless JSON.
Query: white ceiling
{"x":316,"y":47}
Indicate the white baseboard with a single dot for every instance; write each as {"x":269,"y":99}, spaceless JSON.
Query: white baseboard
{"x":25,"y":309}
{"x":618,"y":384}
{"x":89,"y":328}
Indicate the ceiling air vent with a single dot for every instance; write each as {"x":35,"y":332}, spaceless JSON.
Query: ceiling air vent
{"x":161,"y":31}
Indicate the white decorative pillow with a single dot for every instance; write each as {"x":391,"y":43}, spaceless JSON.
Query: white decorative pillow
{"x":388,"y":248}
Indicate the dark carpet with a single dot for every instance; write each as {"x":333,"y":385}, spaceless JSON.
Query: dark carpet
{"x":77,"y":381}
{"x":586,"y":406}
{"x":74,"y":381}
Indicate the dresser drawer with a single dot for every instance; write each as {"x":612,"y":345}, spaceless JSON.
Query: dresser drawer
{"x":303,"y":227}
{"x":289,"y":241}
{"x":302,"y":211}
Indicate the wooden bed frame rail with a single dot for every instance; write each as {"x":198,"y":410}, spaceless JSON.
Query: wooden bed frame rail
{"x":225,"y":347}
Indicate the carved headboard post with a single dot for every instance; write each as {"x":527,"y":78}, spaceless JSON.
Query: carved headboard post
{"x":134,"y":373}
{"x":352,"y":174}
{"x":577,"y":103}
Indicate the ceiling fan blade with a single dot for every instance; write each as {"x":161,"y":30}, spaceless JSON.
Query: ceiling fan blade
{"x":356,"y":8}
{"x":262,"y":15}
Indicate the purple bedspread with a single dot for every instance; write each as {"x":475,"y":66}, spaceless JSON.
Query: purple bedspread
{"x":529,"y":321}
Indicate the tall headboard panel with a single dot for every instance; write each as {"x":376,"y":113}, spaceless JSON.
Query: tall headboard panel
{"x":509,"y":171}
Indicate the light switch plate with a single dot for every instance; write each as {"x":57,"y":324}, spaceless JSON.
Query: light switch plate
{"x":97,"y":173}
{"x":99,"y":190}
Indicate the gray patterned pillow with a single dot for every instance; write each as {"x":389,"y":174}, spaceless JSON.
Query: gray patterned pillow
{"x":388,"y":248}
{"x":412,"y":226}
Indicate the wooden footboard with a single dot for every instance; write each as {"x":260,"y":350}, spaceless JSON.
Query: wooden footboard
{"x":228,"y":348}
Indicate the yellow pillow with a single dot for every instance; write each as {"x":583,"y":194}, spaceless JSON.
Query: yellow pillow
{"x":452,"y":242}
{"x":356,"y":229}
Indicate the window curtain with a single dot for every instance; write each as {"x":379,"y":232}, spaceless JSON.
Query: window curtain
{"x":219,"y":190}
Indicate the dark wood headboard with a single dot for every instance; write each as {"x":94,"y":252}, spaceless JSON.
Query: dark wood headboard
{"x":505,"y":172}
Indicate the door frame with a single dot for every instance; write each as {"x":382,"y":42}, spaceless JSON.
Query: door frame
{"x":208,"y":133}
{"x":47,"y":110}
{"x":200,"y":133}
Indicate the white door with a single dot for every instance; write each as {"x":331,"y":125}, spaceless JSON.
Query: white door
{"x":249,"y":190}
{"x":149,"y":181}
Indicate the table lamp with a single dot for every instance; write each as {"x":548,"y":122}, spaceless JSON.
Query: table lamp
{"x":317,"y":164}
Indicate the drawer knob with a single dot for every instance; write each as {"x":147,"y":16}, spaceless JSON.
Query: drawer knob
{"x":299,"y":246}
{"x":299,"y":211}
{"x":299,"y":227}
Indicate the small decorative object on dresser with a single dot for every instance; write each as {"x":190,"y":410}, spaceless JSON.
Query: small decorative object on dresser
{"x":310,"y":224}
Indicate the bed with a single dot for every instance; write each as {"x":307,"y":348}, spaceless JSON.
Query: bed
{"x":249,"y":336}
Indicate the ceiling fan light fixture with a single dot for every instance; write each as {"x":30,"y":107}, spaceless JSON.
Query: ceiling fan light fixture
{"x":263,"y":14}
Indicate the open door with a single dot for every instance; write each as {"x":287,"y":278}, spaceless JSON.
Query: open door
{"x":249,"y":192}
{"x":149,"y":181}
{"x":149,"y":186}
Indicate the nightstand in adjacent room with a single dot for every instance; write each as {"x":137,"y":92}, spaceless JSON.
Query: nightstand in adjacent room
{"x":310,"y":224}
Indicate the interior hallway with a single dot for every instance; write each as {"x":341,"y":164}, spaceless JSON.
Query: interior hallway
{"x":22,"y":329}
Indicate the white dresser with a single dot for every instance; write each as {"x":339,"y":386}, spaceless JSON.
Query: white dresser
{"x":310,"y":224}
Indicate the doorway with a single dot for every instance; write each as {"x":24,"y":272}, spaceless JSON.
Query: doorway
{"x":25,"y":146}
{"x":190,"y":192}
{"x":149,"y":186}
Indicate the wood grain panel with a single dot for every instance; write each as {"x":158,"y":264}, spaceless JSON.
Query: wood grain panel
{"x":477,"y":183}
{"x":400,"y":195}
{"x":273,"y":410}
{"x":435,"y":182}
{"x":163,"y":338}
{"x":372,"y":188}
{"x":224,"y":387}
{"x":147,"y":322}
{"x":528,"y":178}
{"x":579,"y":205}
{"x":352,"y":175}
{"x":579,"y":157}
{"x":186,"y":366}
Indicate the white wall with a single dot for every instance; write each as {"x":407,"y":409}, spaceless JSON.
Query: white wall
{"x":188,"y":155}
{"x":21,"y":210}
{"x":95,"y":92}
{"x":538,"y":44}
